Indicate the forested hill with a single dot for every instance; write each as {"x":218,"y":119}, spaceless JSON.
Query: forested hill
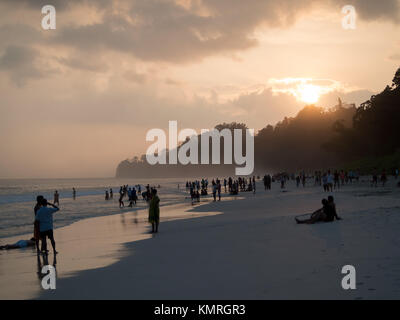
{"x":316,"y":138}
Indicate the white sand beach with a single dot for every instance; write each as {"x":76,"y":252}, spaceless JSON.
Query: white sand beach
{"x":253,"y":249}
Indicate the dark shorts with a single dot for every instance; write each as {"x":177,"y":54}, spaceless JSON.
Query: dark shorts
{"x":47,"y":233}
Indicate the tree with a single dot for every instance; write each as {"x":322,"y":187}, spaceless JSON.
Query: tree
{"x":396,"y":79}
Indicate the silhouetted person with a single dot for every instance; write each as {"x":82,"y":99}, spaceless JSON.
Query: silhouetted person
{"x":45,"y":218}
{"x":56,"y":198}
{"x":121,"y":202}
{"x":326,"y":214}
{"x":36,"y":224}
{"x":154,"y":211}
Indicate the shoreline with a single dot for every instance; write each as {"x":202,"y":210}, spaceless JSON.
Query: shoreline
{"x":248,"y":248}
{"x":90,"y":243}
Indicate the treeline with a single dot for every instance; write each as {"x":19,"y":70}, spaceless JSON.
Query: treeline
{"x":375,"y":130}
{"x":139,"y":167}
{"x":314,"y":139}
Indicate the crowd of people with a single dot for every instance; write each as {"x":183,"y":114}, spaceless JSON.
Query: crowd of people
{"x":232,"y":186}
{"x":329,"y":180}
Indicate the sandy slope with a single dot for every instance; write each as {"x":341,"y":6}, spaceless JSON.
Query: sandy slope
{"x":254,"y":250}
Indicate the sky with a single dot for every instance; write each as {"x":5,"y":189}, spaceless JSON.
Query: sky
{"x":77,"y":100}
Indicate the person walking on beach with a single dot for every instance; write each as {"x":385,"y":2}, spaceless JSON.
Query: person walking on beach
{"x":269,"y":179}
{"x":329,"y":179}
{"x":45,"y":218}
{"x":107,"y":197}
{"x":374,"y":182}
{"x":120,"y":201}
{"x":36,"y":224}
{"x":265,"y":182}
{"x":154,"y":211}
{"x":283,"y":181}
{"x":56,"y":198}
{"x":73,"y":193}
{"x":111,"y":193}
{"x":214,"y":190}
{"x":383,"y":178}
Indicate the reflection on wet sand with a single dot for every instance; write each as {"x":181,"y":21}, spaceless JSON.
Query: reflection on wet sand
{"x":86,"y":244}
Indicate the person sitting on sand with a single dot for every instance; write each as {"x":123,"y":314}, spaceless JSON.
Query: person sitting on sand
{"x":19,"y":244}
{"x":326,"y":214}
{"x":331,"y":212}
{"x":154,"y":211}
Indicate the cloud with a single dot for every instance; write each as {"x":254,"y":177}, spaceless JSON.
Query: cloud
{"x":394,"y":56}
{"x":21,"y":63}
{"x":155,"y":30}
{"x":370,"y":10}
{"x":167,"y":31}
{"x":85,"y":63}
{"x":58,"y":4}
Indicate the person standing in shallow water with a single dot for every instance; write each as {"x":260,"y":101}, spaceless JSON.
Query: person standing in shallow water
{"x":154,"y":211}
{"x":56,"y":198}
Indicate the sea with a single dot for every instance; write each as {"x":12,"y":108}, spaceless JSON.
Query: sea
{"x":18,"y":198}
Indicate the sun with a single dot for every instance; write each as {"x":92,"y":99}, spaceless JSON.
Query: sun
{"x":309,"y":93}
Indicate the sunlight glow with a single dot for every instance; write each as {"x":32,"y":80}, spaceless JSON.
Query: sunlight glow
{"x":309,"y":93}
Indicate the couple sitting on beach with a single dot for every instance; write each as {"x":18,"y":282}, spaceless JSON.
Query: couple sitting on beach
{"x":326,"y":214}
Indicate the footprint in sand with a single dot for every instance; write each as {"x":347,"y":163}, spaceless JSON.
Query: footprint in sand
{"x":367,"y":277}
{"x":371,"y":289}
{"x":360,"y":283}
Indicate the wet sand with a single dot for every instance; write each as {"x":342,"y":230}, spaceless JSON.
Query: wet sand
{"x":84,"y":245}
